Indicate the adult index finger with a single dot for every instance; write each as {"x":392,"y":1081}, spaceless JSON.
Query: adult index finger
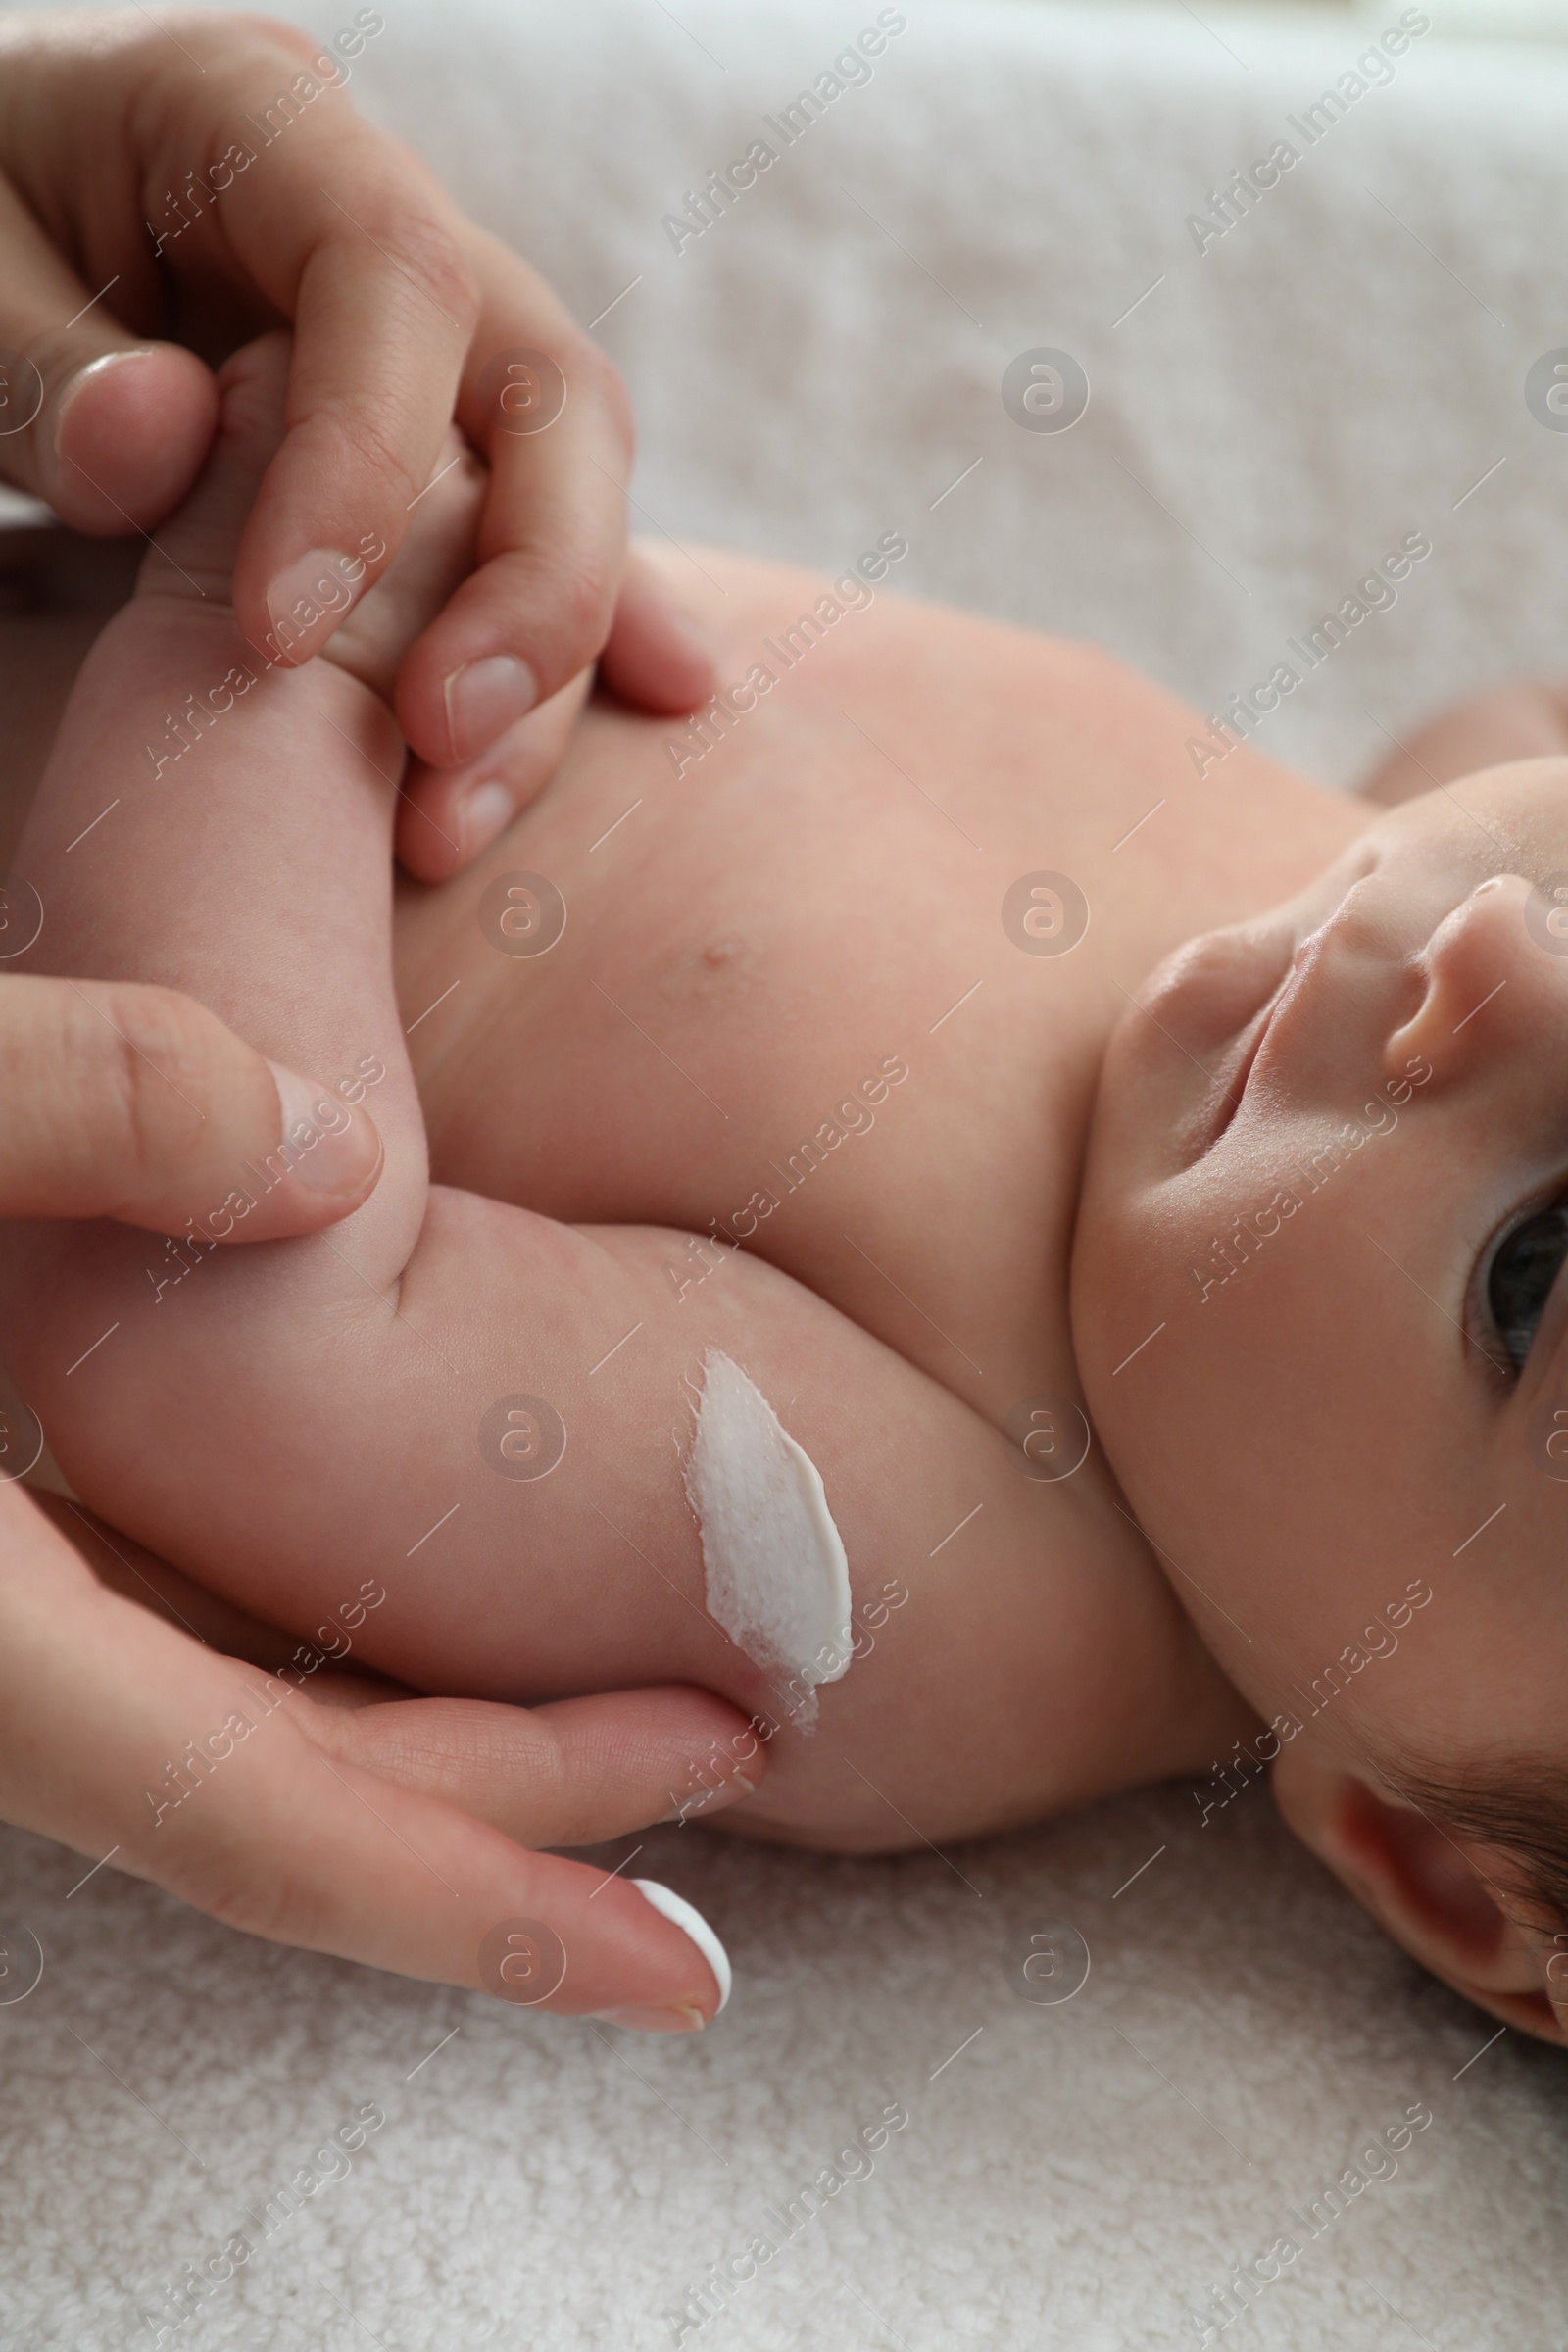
{"x":346,"y":234}
{"x":547,"y":409}
{"x":122,"y":1737}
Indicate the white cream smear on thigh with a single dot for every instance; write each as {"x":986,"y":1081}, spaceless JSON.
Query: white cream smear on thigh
{"x":777,"y":1577}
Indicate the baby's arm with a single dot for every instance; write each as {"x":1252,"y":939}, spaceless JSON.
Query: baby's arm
{"x":292,"y":1420}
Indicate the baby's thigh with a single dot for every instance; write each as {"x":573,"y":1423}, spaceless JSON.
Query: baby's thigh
{"x":1012,"y":1650}
{"x":1525,"y":720}
{"x":56,"y":593}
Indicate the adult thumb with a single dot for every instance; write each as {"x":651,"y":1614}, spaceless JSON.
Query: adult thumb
{"x":108,"y":430}
{"x":137,"y":1103}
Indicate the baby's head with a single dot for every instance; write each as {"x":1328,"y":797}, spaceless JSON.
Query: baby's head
{"x":1313,"y":1299}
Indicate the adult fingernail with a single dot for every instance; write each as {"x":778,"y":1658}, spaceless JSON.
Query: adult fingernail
{"x":94,"y":370}
{"x":484,"y":815}
{"x":711,"y":1797}
{"x":318,"y":586}
{"x":324,"y":1144}
{"x":485,"y":698}
{"x":685,"y":2020}
{"x":686,"y":1916}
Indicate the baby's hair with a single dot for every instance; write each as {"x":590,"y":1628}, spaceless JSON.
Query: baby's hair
{"x":1520,"y":1806}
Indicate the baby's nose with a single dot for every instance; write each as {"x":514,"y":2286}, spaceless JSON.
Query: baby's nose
{"x":1495,"y":968}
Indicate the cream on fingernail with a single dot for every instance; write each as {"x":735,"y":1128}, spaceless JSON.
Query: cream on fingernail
{"x":324,"y":1146}
{"x":686,"y":1916}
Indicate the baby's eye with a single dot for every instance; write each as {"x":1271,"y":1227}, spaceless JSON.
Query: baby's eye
{"x":1524,"y":1266}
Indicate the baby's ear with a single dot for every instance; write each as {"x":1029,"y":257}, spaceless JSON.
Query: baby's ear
{"x":1440,"y":1895}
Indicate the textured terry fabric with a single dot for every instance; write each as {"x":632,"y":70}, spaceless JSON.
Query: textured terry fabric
{"x":1073,"y":2179}
{"x":1262,"y":428}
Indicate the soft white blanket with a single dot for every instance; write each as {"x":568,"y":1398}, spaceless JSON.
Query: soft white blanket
{"x":821,"y":365}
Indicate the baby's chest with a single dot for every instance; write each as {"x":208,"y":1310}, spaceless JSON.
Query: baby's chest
{"x":891,"y":1114}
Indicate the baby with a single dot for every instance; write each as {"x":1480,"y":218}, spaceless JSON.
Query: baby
{"x":912,"y":1247}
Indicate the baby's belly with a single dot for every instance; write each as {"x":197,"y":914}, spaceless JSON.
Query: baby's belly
{"x":788,"y":990}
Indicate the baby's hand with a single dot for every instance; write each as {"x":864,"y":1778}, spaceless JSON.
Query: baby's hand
{"x":336,"y":226}
{"x":445,"y":815}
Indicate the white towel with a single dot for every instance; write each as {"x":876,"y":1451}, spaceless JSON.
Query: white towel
{"x":821,"y":365}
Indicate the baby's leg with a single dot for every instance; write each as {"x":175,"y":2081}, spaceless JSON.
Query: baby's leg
{"x":390,"y":1400}
{"x":1527,"y":719}
{"x":56,"y":593}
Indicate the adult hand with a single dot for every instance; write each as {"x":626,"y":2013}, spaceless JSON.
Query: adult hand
{"x":338,"y":1811}
{"x":136,"y":1742}
{"x":204,"y":176}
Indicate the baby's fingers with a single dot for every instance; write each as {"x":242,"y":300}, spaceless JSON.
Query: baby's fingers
{"x":139,"y":1104}
{"x":133,"y":1744}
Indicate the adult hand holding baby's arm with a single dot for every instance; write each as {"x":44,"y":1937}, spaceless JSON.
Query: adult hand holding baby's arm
{"x":122,"y":1734}
{"x":144,"y":159}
